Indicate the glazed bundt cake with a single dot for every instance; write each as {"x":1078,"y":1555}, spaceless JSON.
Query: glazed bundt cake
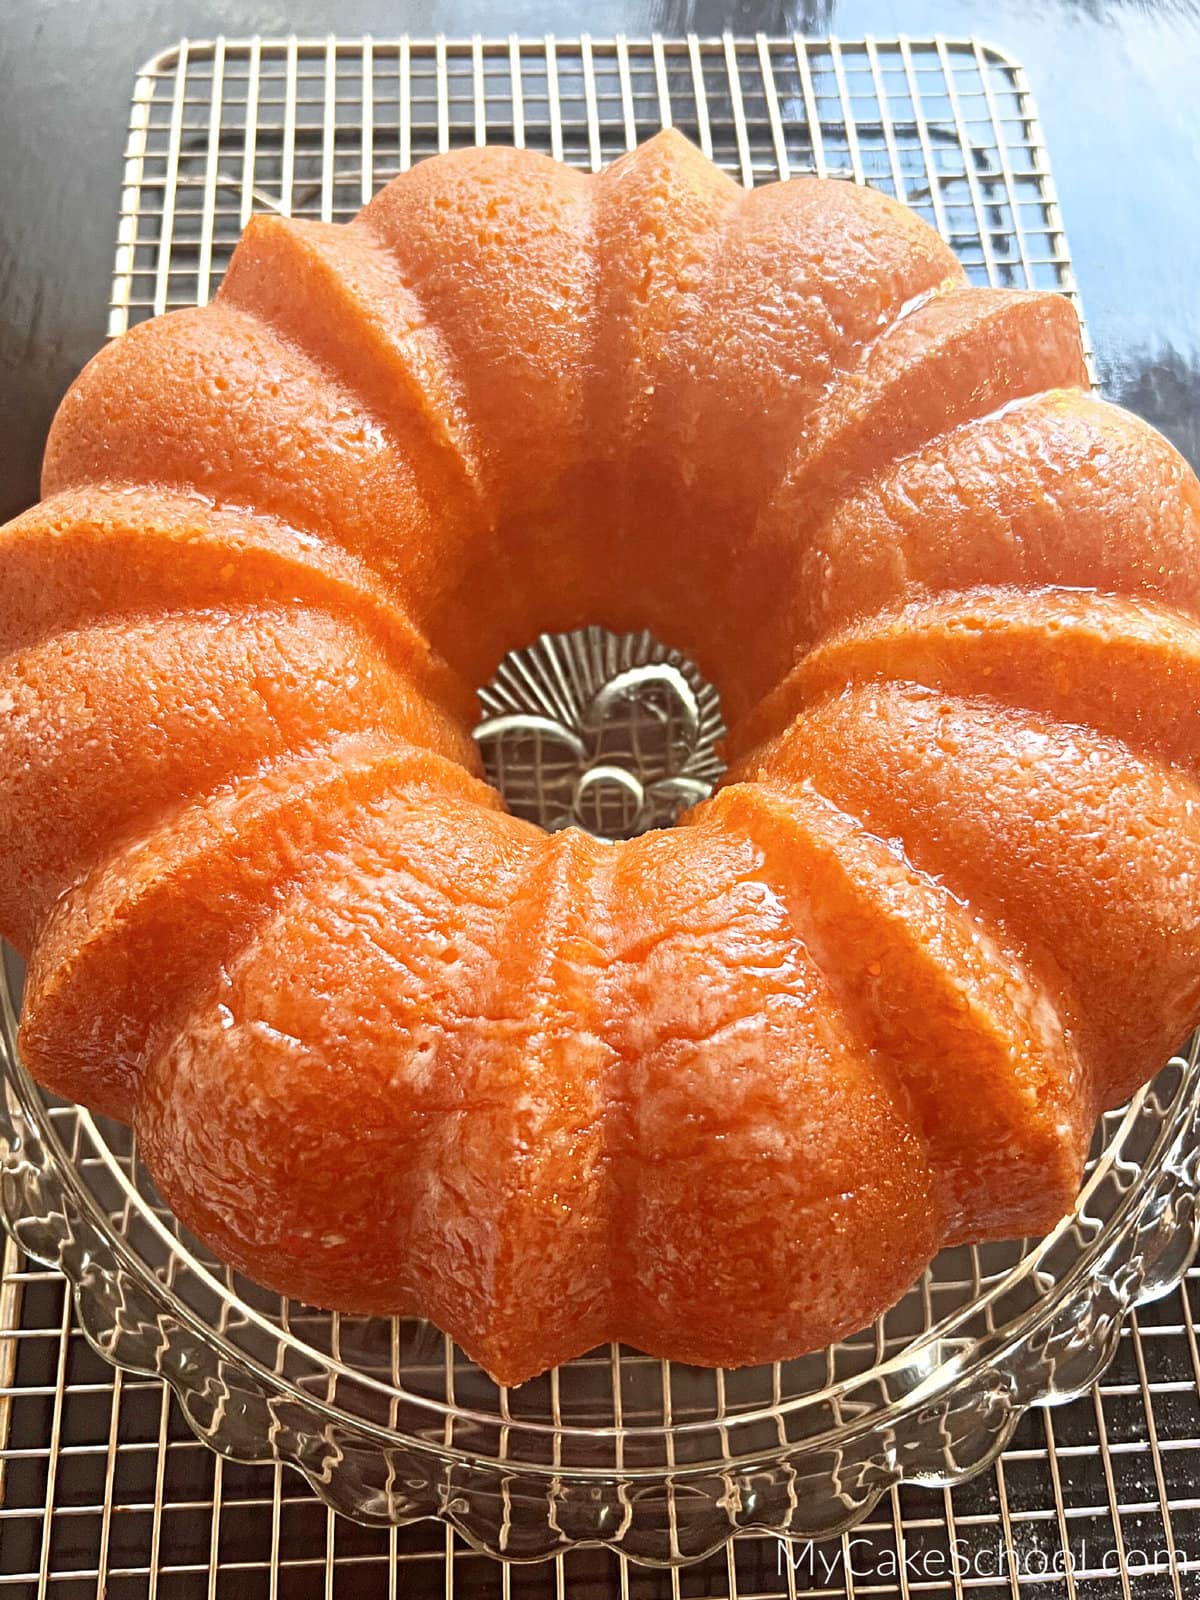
{"x":719,"y":1091}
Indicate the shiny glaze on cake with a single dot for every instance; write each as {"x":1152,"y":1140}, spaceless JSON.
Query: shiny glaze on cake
{"x":720,"y":1091}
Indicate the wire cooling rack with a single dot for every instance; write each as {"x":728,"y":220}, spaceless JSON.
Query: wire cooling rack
{"x":102,"y":1487}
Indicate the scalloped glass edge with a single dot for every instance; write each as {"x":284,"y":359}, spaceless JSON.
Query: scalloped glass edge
{"x":952,"y":1422}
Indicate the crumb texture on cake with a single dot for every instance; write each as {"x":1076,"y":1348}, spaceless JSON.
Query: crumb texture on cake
{"x":720,"y":1091}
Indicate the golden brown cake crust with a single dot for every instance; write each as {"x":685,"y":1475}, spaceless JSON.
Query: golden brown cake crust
{"x":720,"y":1091}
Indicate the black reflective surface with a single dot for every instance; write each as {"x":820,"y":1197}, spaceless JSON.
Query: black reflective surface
{"x":1115,"y":80}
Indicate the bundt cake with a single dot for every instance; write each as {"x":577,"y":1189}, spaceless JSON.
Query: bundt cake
{"x":719,"y":1091}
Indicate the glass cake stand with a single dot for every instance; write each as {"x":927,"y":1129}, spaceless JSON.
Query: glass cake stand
{"x":389,"y":1421}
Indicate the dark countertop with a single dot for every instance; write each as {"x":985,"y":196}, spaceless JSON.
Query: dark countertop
{"x":1114,"y":79}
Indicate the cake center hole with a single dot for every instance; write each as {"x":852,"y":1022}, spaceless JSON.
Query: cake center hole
{"x":612,"y":733}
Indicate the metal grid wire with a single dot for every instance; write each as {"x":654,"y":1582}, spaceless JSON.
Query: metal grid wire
{"x":102,"y":1487}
